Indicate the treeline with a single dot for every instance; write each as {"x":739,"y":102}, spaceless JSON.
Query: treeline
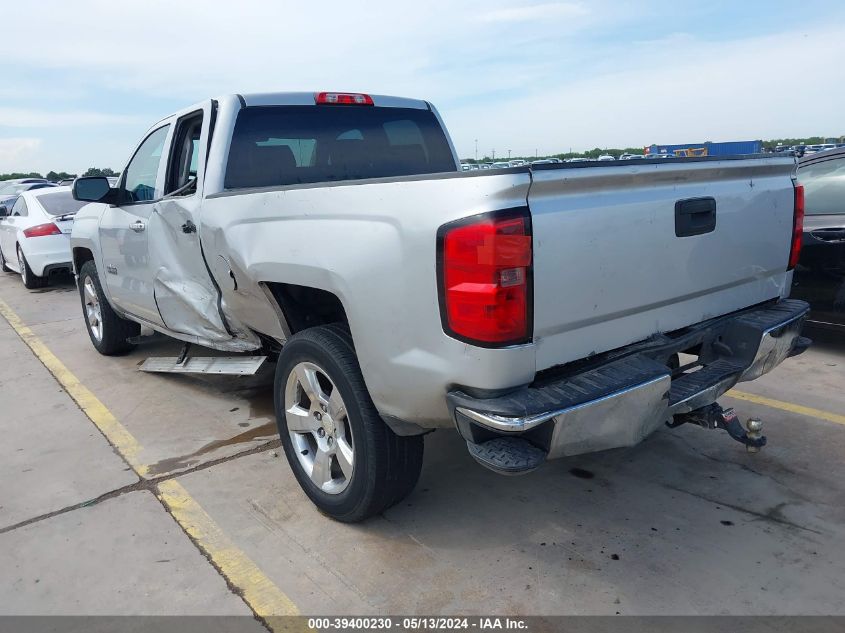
{"x":55,"y":176}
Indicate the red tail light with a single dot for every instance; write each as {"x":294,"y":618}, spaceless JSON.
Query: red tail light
{"x":40,"y":230}
{"x":342,"y":98}
{"x":797,"y":227}
{"x":485,"y":278}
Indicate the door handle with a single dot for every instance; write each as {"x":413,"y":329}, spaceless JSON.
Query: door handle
{"x":137,"y":226}
{"x":695,"y":216}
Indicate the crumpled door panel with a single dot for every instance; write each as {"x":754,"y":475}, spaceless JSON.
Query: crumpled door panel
{"x":184,"y":291}
{"x":187,"y":306}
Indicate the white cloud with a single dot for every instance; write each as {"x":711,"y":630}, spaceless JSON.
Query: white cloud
{"x":254,"y":45}
{"x":29,"y":118}
{"x":17,"y":151}
{"x":514,"y":75}
{"x":752,"y":88}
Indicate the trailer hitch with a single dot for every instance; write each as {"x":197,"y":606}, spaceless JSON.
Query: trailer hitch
{"x":714,"y":416}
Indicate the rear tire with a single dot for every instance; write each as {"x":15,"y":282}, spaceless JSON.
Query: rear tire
{"x":380,"y":467}
{"x":30,"y":279}
{"x":3,"y":265}
{"x":108,"y":331}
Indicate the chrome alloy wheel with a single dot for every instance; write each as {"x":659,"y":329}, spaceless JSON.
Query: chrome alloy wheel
{"x":22,"y":265}
{"x":319,"y":428}
{"x":93,"y":310}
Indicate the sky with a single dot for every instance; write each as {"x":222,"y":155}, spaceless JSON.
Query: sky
{"x":81,"y":81}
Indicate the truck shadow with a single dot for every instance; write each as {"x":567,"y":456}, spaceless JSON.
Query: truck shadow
{"x":60,"y":282}
{"x":678,"y":524}
{"x":826,"y":338}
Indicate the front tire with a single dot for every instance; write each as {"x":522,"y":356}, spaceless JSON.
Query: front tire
{"x":108,"y":331}
{"x":346,"y":459}
{"x":30,"y":279}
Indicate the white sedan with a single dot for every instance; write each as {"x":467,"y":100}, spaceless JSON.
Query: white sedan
{"x":35,"y":234}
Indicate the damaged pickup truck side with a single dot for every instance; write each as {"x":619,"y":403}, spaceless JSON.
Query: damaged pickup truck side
{"x":543,"y":312}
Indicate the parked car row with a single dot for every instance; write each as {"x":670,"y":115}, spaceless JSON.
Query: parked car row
{"x":802,"y":150}
{"x":36,"y":217}
{"x":35,"y":234}
{"x":494,"y":165}
{"x":552,"y":161}
{"x":11,"y":189}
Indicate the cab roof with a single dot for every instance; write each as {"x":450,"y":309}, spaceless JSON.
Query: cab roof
{"x":307,"y":98}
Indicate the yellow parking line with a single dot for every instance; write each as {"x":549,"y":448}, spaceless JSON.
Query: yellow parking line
{"x":114,"y":431}
{"x":257,"y":590}
{"x":788,"y":406}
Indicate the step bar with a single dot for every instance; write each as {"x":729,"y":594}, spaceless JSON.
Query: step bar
{"x":218,"y":365}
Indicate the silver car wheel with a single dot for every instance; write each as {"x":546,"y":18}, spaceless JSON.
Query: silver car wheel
{"x":93,"y":310}
{"x":319,"y":429}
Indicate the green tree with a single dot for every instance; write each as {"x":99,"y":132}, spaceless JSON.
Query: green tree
{"x":16,"y":175}
{"x":96,"y":171}
{"x":56,"y":176}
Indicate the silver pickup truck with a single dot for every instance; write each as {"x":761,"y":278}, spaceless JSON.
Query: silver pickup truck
{"x":543,"y":312}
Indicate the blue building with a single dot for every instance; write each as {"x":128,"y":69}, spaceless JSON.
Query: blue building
{"x":731,"y":148}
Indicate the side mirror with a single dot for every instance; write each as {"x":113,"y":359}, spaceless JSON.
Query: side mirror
{"x":93,"y":189}
{"x":3,"y":211}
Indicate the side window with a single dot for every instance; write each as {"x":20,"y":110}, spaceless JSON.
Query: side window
{"x":141,"y":182}
{"x":20,"y":207}
{"x":184,"y":161}
{"x":824,"y":186}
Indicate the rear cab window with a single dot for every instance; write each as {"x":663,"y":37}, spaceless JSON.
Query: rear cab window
{"x":291,"y":145}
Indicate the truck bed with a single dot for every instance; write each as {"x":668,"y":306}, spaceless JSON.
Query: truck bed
{"x":608,"y":267}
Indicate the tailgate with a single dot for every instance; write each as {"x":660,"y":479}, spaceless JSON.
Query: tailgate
{"x":610,"y":268}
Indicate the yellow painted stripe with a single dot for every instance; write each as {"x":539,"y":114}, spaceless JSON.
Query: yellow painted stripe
{"x":114,"y":431}
{"x":257,"y":590}
{"x":260,"y":593}
{"x":788,"y":406}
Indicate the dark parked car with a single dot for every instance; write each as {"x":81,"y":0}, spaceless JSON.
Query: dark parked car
{"x":10,"y":189}
{"x":820,"y":274}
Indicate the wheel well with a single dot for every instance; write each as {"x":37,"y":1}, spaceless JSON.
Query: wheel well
{"x":305,"y":307}
{"x":80,"y":256}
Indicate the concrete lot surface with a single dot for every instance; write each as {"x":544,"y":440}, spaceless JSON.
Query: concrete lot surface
{"x":205,"y":517}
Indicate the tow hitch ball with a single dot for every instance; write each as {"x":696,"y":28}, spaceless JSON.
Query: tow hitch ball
{"x":715,"y":417}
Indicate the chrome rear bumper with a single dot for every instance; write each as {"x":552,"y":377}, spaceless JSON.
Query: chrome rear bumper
{"x":624,"y":397}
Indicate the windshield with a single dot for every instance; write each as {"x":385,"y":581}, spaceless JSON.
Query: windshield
{"x":16,"y":188}
{"x":60,"y":203}
{"x":285,"y":145}
{"x":13,"y":188}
